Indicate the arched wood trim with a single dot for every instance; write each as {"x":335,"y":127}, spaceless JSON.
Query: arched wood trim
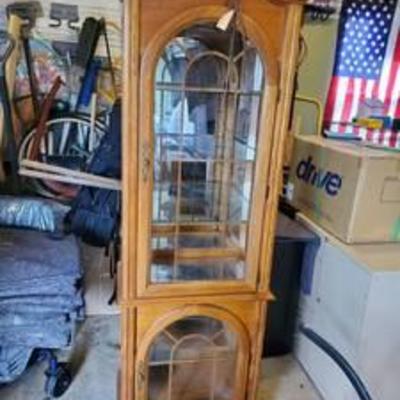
{"x":154,"y":49}
{"x":200,"y":310}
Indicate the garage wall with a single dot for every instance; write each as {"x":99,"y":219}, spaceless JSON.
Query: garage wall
{"x":316,"y":70}
{"x":111,"y":9}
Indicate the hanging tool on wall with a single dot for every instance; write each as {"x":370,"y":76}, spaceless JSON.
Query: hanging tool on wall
{"x":60,"y":12}
{"x":320,"y":10}
{"x":28,"y":12}
{"x":6,"y":47}
{"x":41,"y":129}
{"x":89,"y":36}
{"x":64,"y":14}
{"x":14,"y":29}
{"x":89,"y":83}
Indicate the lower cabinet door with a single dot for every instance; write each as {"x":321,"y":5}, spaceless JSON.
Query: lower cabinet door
{"x":193,"y":353}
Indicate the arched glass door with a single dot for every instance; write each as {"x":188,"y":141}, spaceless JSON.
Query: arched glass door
{"x":208,"y":92}
{"x":194,"y":358}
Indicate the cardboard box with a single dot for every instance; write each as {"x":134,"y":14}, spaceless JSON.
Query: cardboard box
{"x":351,"y":190}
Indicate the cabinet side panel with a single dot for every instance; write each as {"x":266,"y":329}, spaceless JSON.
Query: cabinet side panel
{"x":129,"y":149}
{"x":288,"y":63}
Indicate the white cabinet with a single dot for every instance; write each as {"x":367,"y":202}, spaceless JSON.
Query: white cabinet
{"x":354,"y":305}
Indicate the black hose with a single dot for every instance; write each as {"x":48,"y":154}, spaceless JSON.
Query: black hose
{"x":355,"y":380}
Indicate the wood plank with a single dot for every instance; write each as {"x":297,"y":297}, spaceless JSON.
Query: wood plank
{"x":73,"y":180}
{"x":84,"y":176}
{"x":192,"y":228}
{"x":130,"y":167}
{"x":197,"y":254}
{"x":288,"y":69}
{"x":200,"y":299}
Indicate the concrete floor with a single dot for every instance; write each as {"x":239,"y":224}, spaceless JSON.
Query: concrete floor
{"x":282,"y":378}
{"x":94,"y":362}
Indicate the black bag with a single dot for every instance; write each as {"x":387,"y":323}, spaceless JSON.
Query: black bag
{"x":95,"y":213}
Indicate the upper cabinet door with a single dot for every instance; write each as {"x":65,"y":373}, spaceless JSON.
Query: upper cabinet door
{"x":206,"y":119}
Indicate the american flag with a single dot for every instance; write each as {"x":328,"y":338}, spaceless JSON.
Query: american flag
{"x":367,"y":66}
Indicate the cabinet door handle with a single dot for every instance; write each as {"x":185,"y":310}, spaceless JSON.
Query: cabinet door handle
{"x":146,"y":161}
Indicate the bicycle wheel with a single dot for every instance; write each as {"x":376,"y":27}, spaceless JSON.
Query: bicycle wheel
{"x":70,"y":142}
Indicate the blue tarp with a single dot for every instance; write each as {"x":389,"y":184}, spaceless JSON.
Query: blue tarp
{"x":40,"y":295}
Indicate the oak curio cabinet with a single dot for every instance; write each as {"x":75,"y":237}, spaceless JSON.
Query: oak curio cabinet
{"x":207,"y":98}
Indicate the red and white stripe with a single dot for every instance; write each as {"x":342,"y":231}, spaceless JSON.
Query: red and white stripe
{"x":346,"y":94}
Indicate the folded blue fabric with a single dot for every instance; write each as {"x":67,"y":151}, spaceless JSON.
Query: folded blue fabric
{"x":41,"y":298}
{"x":22,"y":319}
{"x":24,"y":212}
{"x":64,"y":286}
{"x":13,"y":361}
{"x":26,"y":255}
{"x":54,"y":333}
{"x":42,"y":304}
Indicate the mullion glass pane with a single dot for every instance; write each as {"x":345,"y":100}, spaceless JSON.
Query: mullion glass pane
{"x":194,"y":358}
{"x":164,"y":189}
{"x":246,"y":127}
{"x":241,"y":189}
{"x":197,"y":270}
{"x":251,"y":71}
{"x":209,"y":71}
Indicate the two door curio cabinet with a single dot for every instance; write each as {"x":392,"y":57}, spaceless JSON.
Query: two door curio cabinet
{"x":207,"y":98}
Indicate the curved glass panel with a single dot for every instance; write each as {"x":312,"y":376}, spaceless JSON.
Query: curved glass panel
{"x":194,"y":358}
{"x":206,"y":72}
{"x":208,"y":95}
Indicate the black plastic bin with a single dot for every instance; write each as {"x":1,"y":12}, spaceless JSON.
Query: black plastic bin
{"x":293,"y":262}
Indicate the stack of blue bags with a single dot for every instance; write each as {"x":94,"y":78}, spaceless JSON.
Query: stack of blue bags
{"x":40,"y":283}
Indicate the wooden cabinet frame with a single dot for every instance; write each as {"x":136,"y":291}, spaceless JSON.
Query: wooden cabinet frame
{"x":145,"y":142}
{"x":241,"y":303}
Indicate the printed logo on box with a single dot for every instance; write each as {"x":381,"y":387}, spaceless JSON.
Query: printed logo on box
{"x":329,"y":181}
